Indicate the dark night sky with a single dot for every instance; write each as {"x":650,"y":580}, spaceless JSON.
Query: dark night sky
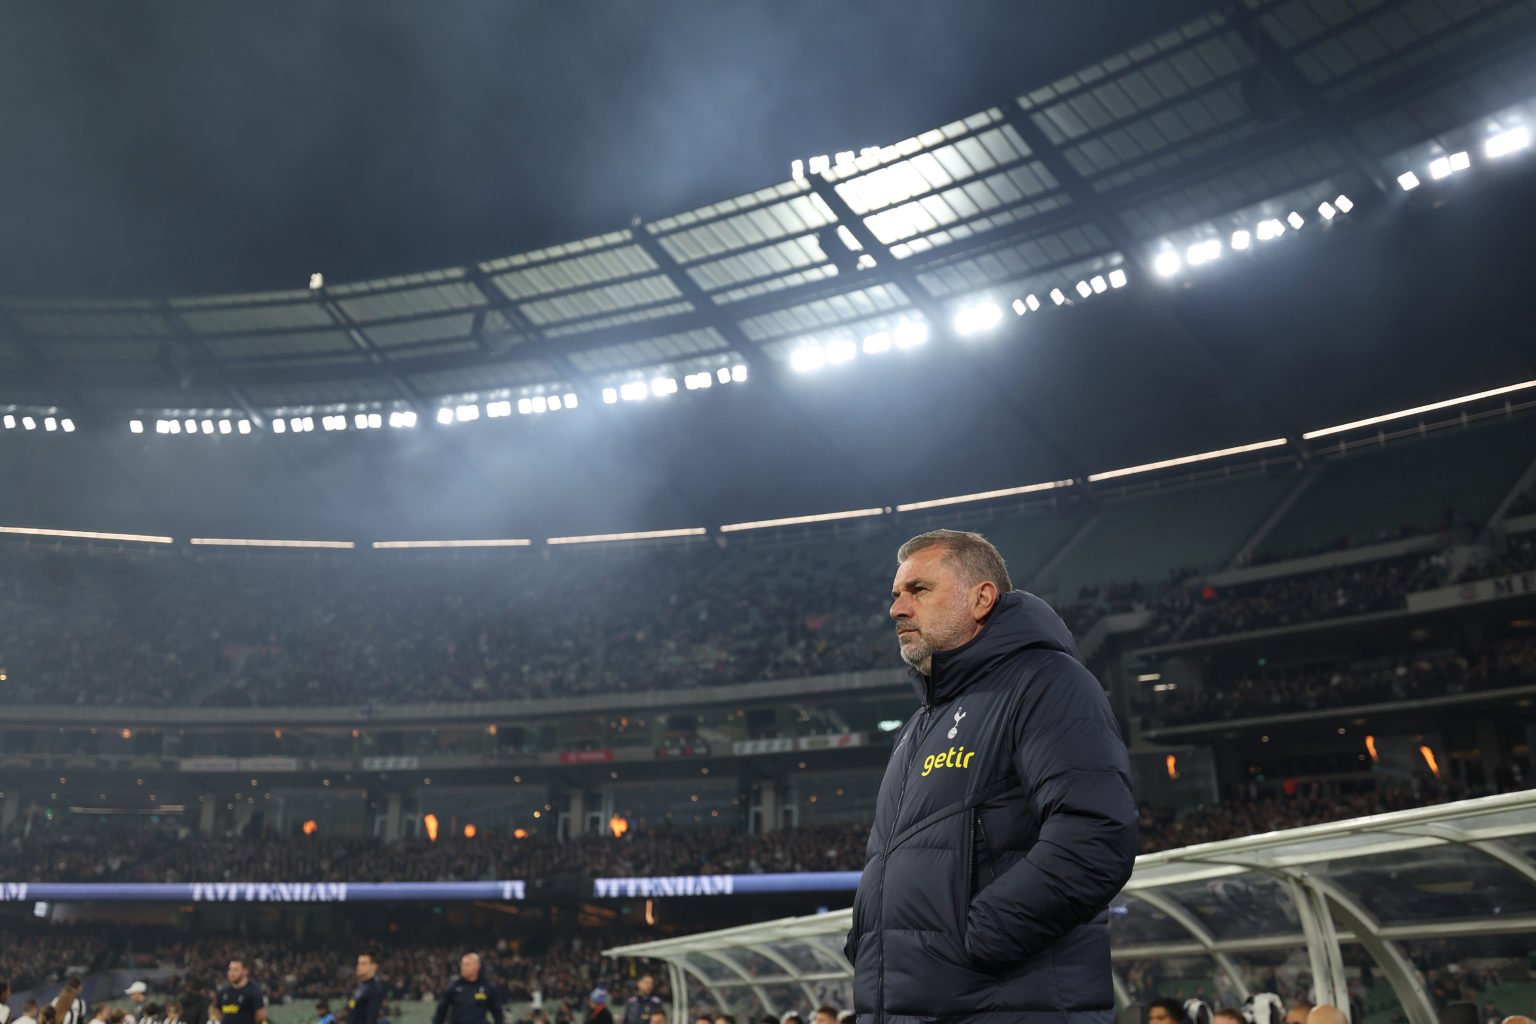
{"x":183,"y":146}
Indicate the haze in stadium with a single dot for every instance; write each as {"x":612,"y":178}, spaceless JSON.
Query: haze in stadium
{"x":454,"y":458}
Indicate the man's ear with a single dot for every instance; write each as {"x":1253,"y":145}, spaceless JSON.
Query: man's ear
{"x":984,"y":601}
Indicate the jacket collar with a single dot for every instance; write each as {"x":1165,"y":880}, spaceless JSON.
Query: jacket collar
{"x":1019,"y":621}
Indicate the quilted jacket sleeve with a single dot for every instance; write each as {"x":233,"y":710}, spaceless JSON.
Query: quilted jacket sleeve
{"x":1068,"y":751}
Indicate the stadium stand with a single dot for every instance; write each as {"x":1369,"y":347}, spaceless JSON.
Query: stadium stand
{"x":1368,"y":495}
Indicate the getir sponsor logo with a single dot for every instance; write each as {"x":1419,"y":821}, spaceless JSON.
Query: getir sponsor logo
{"x":954,"y":757}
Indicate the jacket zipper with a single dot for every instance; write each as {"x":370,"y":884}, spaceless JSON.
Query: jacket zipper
{"x":919,"y":734}
{"x":986,"y":844}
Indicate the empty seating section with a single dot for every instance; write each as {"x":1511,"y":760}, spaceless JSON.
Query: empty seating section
{"x":1148,"y":539}
{"x":1403,"y":490}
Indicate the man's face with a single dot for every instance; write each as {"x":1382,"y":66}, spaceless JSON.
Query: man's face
{"x":469,"y":967}
{"x":824,"y":1018}
{"x":933,"y":608}
{"x":236,"y":973}
{"x":646,"y":984}
{"x":1160,"y":1015}
{"x":138,"y":997}
{"x":366,"y":968}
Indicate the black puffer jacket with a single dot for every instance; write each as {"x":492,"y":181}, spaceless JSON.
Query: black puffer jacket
{"x":1004,"y":827}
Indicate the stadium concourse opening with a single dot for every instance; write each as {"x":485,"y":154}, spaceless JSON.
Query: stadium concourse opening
{"x":1338,"y":902}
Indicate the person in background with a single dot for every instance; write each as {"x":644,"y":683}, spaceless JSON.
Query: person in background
{"x":1227,"y":1015}
{"x":367,"y":999}
{"x":194,"y":1004}
{"x":323,"y":1014}
{"x":824,"y":1015}
{"x":172,"y":1012}
{"x":1165,"y":1011}
{"x":5,"y":1001}
{"x":470,"y":998}
{"x":240,"y":1001}
{"x":68,"y":1007}
{"x":597,"y":1007}
{"x":137,"y":993}
{"x":658,"y":1017}
{"x":28,"y":1013}
{"x":639,"y":1007}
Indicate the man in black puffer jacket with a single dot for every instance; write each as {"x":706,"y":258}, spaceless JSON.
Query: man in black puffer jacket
{"x":1005,"y":822}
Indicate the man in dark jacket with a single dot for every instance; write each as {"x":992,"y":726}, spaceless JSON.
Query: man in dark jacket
{"x":639,"y":1007}
{"x":470,"y":999}
{"x":1005,"y":822}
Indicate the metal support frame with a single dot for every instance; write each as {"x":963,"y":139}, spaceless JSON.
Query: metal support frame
{"x":678,"y":982}
{"x":767,"y":953}
{"x":1323,"y":951}
{"x":1202,"y":935}
{"x":753,"y":983}
{"x":1395,"y":967}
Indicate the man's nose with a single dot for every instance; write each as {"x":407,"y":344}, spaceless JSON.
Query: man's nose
{"x":901,"y":608}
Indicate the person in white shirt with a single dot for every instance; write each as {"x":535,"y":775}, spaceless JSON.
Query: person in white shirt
{"x":68,"y":1006}
{"x":28,"y":1013}
{"x":137,"y":992}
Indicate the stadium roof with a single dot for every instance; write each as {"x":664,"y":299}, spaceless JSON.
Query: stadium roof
{"x":1236,"y":121}
{"x":1261,"y":108}
{"x":1450,"y":873}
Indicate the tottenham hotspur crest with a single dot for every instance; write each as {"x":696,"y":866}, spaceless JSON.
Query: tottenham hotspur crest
{"x":955,"y":729}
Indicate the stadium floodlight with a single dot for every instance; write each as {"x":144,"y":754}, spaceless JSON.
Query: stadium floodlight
{"x":723,"y":375}
{"x":244,"y":426}
{"x":134,"y":426}
{"x":1344,"y":203}
{"x":309,"y":424}
{"x":570,"y":400}
{"x":1098,"y":284}
{"x":1460,"y":161}
{"x":660,"y":387}
{"x":634,"y":391}
{"x":807,"y":358}
{"x":1511,"y":140}
{"x":554,"y":403}
{"x":875,"y":344}
{"x":976,"y":318}
{"x":610,"y":395}
{"x":173,"y":426}
{"x":191,"y":426}
{"x":525,"y":406}
{"x":50,"y":424}
{"x":28,"y":423}
{"x":1058,"y":296}
{"x":1325,"y":210}
{"x":1408,"y":181}
{"x":691,"y":382}
{"x":1207,"y":251}
{"x":278,"y":426}
{"x":910,"y":334}
{"x":67,"y":425}
{"x":1034,"y":303}
{"x":1295,"y":220}
{"x":1269,"y":229}
{"x":296,"y":425}
{"x":162,"y":426}
{"x":225,"y":426}
{"x":445,"y":415}
{"x":841,"y":350}
{"x":10,"y":422}
{"x":739,"y":373}
{"x":360,"y":421}
{"x":1440,"y":167}
{"x":467,"y":413}
{"x":1117,"y":279}
{"x":375,"y":420}
{"x":1166,"y":264}
{"x":1019,"y":309}
{"x":1241,"y":240}
{"x":207,"y":426}
{"x":1083,"y":290}
{"x":498,"y":409}
{"x":540,"y":404}
{"x":316,"y":282}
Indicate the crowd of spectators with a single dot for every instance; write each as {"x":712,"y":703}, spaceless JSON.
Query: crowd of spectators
{"x":1310,"y":687}
{"x":151,"y":854}
{"x":157,"y":855}
{"x":201,"y":630}
{"x":1331,"y":593}
{"x":1517,"y":554}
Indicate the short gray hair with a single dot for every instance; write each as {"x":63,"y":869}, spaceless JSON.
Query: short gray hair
{"x":976,"y":556}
